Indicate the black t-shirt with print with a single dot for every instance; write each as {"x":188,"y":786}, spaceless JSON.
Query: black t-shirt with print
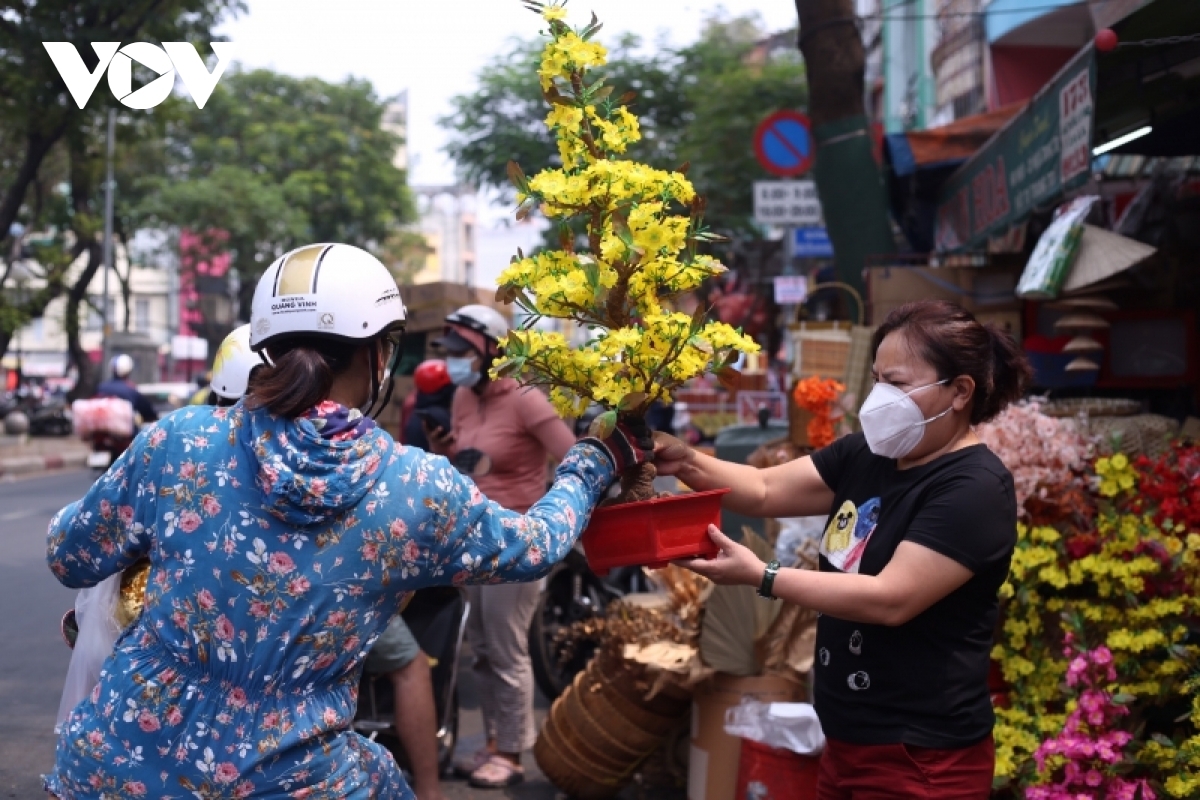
{"x":923,"y":683}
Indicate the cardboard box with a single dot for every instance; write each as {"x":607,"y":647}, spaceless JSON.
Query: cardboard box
{"x":977,"y":289}
{"x":713,"y":763}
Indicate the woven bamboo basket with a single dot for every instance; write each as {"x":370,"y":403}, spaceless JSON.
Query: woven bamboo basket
{"x":570,"y":771}
{"x":570,"y":721}
{"x":634,"y":709}
{"x":619,"y":733}
{"x":634,"y":682}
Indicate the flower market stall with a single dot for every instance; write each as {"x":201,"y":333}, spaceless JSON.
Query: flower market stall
{"x":1096,"y":694}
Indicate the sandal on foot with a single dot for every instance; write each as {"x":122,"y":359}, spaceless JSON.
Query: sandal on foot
{"x":465,"y":767}
{"x":497,"y":773}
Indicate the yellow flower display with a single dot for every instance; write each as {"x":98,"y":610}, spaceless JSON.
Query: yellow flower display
{"x":643,"y":227}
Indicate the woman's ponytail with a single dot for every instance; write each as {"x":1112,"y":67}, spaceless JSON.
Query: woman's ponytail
{"x":1011,"y":373}
{"x":301,"y":377}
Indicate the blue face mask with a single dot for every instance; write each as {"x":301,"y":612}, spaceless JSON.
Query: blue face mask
{"x":462,"y":371}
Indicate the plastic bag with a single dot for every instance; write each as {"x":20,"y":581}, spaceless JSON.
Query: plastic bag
{"x":110,"y":415}
{"x":1055,"y":252}
{"x":798,"y":535}
{"x":95,"y":614}
{"x":791,"y":726}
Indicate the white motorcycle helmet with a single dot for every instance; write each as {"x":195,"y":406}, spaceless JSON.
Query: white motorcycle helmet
{"x":233,"y":364}
{"x":334,"y":291}
{"x":483,"y":320}
{"x":121,"y":366}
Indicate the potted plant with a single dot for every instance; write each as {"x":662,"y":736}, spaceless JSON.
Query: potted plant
{"x":639,"y":252}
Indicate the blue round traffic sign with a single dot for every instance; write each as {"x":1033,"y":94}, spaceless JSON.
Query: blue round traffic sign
{"x":784,"y":145}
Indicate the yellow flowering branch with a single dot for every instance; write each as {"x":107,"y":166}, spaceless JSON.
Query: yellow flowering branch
{"x":640,"y":251}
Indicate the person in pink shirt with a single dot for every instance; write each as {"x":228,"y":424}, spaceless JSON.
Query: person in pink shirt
{"x":503,"y":436}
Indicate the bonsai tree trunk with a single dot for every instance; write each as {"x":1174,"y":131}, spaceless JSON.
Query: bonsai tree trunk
{"x":637,"y":483}
{"x":848,"y":178}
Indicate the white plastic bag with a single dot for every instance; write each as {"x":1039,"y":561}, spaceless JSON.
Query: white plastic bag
{"x":95,"y":614}
{"x":798,"y":535}
{"x":111,"y":415}
{"x":791,"y":726}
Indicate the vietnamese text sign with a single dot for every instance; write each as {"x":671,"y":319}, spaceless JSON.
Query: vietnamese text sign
{"x":787,"y":203}
{"x":790,"y":289}
{"x":1042,"y":152}
{"x":813,"y":243}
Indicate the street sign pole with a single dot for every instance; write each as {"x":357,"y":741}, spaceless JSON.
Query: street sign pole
{"x":106,"y":314}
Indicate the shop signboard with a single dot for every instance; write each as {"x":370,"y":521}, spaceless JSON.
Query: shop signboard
{"x":1040,"y":154}
{"x":813,"y":243}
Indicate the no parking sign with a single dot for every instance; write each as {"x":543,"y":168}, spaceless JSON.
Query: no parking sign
{"x":783,"y":144}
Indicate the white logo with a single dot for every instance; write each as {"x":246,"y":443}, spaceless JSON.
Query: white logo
{"x":178,"y":57}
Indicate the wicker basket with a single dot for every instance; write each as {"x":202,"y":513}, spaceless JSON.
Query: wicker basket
{"x":1091,"y":407}
{"x":1143,"y":434}
{"x":564,"y":770}
{"x":619,"y":733}
{"x":632,"y":708}
{"x":571,"y":726}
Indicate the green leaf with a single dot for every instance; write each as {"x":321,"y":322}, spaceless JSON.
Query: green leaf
{"x":603,"y":425}
{"x":510,"y":367}
{"x":1163,"y":740}
{"x":517,"y":176}
{"x":632,"y":400}
{"x":602,"y":93}
{"x":1123,"y":698}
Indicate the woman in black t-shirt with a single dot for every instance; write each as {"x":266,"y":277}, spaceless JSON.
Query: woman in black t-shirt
{"x":922,"y":524}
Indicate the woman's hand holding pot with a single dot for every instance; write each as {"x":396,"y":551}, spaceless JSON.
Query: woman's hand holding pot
{"x":735,"y":565}
{"x":671,"y":456}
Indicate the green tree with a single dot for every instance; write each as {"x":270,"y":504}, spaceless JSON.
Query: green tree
{"x":273,"y":162}
{"x":698,"y":104}
{"x":43,"y":132}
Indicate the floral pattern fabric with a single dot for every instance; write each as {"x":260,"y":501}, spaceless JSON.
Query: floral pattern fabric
{"x":278,"y":556}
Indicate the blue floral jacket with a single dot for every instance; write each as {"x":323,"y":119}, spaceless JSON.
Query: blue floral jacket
{"x":278,"y":557}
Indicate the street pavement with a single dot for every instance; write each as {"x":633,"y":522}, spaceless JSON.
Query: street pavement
{"x":33,"y":657}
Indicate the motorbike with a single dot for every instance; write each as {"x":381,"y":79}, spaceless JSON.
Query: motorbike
{"x":52,"y":418}
{"x":437,"y":618}
{"x":106,"y":448}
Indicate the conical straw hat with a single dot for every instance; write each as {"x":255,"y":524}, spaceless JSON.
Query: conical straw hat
{"x":1080,"y":322}
{"x":1103,"y":254}
{"x":1083,"y":344}
{"x":1082,"y":365}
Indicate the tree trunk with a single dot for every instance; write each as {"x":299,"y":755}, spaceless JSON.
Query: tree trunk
{"x":89,"y":373}
{"x":36,"y":149}
{"x":848,"y":177}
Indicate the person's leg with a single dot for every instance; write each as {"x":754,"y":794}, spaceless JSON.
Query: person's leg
{"x":417,"y":724}
{"x":466,"y":765}
{"x":397,"y":654}
{"x":507,"y":611}
{"x":905,"y":772}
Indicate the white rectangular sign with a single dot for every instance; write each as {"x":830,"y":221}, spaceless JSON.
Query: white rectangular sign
{"x":787,"y":203}
{"x":791,"y":289}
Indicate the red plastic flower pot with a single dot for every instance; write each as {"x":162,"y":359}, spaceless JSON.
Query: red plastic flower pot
{"x":652,"y":533}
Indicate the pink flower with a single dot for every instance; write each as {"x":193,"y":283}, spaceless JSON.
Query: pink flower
{"x":411,"y":551}
{"x":135,"y":788}
{"x":298,"y":586}
{"x":210,"y":505}
{"x":158,"y":437}
{"x":225,"y":773}
{"x":95,"y":738}
{"x":224,"y":629}
{"x":330,"y":716}
{"x":336,"y":618}
{"x":126,"y":515}
{"x":327,"y":407}
{"x":237,"y":698}
{"x":370,"y":551}
{"x":189,"y":520}
{"x":187,"y":471}
{"x":206,"y":600}
{"x":398,"y":528}
{"x":174,"y":715}
{"x":243,"y":790}
{"x":317,"y":487}
{"x":324,"y":660}
{"x":271,"y":720}
{"x":259,"y":609}
{"x":147,"y":721}
{"x":281,"y":563}
{"x":1102,"y":656}
{"x":351,"y":644}
{"x":106,"y":509}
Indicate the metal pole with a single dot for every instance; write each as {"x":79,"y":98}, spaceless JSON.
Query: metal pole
{"x":108,"y":243}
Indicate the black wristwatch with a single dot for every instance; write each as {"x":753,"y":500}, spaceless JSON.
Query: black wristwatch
{"x":768,"y":581}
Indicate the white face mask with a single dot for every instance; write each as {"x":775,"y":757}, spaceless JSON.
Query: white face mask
{"x":892,"y":421}
{"x":462,"y":371}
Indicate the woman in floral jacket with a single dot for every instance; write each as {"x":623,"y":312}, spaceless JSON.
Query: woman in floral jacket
{"x":283,"y":534}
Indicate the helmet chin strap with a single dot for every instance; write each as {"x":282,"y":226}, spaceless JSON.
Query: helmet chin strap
{"x":386,"y":383}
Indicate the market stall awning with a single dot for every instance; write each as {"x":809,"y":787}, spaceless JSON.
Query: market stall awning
{"x":920,"y":161}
